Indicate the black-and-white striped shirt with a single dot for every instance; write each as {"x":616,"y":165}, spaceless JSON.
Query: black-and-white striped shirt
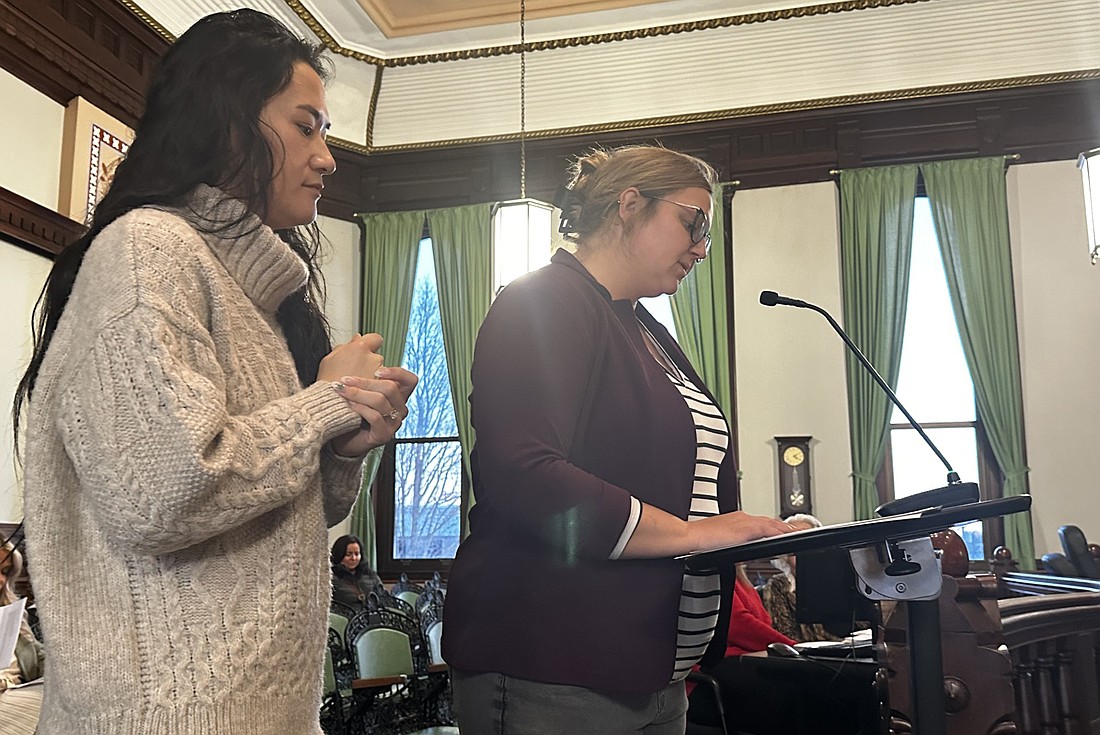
{"x":700,"y":596}
{"x":701,"y":593}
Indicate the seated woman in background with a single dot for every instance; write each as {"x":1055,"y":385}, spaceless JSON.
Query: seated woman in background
{"x":779,"y":592}
{"x":352,"y":578}
{"x":19,"y":708}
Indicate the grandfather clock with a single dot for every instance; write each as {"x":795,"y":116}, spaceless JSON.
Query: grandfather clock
{"x":794,"y":475}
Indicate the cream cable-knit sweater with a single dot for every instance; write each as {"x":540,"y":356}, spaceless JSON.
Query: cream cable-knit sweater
{"x":178,"y":486}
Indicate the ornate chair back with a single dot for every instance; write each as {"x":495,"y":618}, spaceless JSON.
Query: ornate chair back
{"x":407,"y":591}
{"x":430,"y":611}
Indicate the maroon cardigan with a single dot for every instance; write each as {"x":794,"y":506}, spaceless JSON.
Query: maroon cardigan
{"x":573,"y":416}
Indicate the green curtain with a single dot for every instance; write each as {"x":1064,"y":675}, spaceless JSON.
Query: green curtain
{"x":970,"y":211}
{"x":699,"y":311}
{"x":390,"y":245}
{"x":461,"y":241}
{"x":876,"y":239}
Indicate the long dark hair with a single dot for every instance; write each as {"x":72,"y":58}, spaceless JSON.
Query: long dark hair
{"x":202,"y":125}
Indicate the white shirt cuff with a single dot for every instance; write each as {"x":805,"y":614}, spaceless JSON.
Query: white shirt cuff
{"x":628,"y":530}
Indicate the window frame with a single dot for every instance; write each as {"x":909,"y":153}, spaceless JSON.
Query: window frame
{"x":383,"y":492}
{"x":990,"y":482}
{"x":384,"y":505}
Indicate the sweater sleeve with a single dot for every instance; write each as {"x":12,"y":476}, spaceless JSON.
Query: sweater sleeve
{"x":164,"y":463}
{"x":533,"y":367}
{"x":341,"y":481}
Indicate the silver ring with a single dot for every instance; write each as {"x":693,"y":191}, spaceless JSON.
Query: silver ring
{"x":392,"y":415}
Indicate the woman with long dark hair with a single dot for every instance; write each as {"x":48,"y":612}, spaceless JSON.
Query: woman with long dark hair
{"x":352,"y":577}
{"x":189,"y":427}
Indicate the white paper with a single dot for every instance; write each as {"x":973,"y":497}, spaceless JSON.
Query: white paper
{"x":11,"y":616}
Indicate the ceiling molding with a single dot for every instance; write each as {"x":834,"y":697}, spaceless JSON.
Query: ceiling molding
{"x":729,"y":21}
{"x":1042,"y":123}
{"x":35,"y":227}
{"x":148,"y":20}
{"x":718,"y":115}
{"x":400,"y":18}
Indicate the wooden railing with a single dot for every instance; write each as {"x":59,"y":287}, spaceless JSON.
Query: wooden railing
{"x":1051,"y":627}
{"x":1021,"y":653}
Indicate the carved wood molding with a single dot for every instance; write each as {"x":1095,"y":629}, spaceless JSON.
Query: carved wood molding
{"x":96,"y":49}
{"x":35,"y":227}
{"x":1037,"y":123}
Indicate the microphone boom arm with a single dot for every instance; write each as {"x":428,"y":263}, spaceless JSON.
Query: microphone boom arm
{"x":952,"y":476}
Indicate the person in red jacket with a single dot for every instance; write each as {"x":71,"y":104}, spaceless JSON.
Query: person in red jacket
{"x":750,"y":630}
{"x":750,"y":624}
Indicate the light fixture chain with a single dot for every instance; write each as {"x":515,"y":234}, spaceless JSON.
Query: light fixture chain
{"x":522,"y":99}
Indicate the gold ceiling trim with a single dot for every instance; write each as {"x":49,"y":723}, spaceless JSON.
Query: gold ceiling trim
{"x":737,"y":112}
{"x":663,"y":30}
{"x":148,"y":20}
{"x":729,"y":21}
{"x":326,"y":38}
{"x":372,"y":109}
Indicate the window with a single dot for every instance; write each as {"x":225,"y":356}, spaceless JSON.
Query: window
{"x":935,"y":385}
{"x":421,"y":479}
{"x":661,"y":309}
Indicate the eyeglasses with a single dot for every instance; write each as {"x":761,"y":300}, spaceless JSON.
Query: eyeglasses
{"x":699,"y":231}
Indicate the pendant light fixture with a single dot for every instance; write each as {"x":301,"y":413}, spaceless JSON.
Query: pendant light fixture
{"x":521,"y":227}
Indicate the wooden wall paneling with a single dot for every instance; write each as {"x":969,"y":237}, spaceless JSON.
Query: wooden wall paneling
{"x":96,"y":49}
{"x":1040,"y":123}
{"x":35,"y":227}
{"x":344,"y":188}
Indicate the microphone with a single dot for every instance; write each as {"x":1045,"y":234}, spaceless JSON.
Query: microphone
{"x":956,"y":492}
{"x":771,"y":298}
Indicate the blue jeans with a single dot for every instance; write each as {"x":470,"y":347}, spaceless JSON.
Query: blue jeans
{"x":495,"y":704}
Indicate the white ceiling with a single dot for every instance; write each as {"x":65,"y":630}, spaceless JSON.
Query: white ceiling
{"x":350,"y":25}
{"x":634,"y":67}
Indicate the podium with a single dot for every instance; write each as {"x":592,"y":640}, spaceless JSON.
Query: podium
{"x":894,"y":560}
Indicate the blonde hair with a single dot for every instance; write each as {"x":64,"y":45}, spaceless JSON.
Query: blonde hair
{"x":598,"y":177}
{"x":7,"y":590}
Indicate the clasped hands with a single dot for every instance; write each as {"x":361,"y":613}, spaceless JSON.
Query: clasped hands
{"x":377,"y":393}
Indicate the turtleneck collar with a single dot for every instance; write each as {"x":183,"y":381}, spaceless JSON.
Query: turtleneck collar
{"x":264,"y":266}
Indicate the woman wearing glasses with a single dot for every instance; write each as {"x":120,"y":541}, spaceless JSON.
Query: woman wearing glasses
{"x":600,"y":457}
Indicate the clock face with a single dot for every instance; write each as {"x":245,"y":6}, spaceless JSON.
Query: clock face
{"x":793,"y":456}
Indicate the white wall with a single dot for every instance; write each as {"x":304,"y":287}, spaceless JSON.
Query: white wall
{"x":1058,"y":303}
{"x":341,"y":265}
{"x":31,"y":127}
{"x":21,"y":276}
{"x":30,"y":165}
{"x":790,"y":364}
